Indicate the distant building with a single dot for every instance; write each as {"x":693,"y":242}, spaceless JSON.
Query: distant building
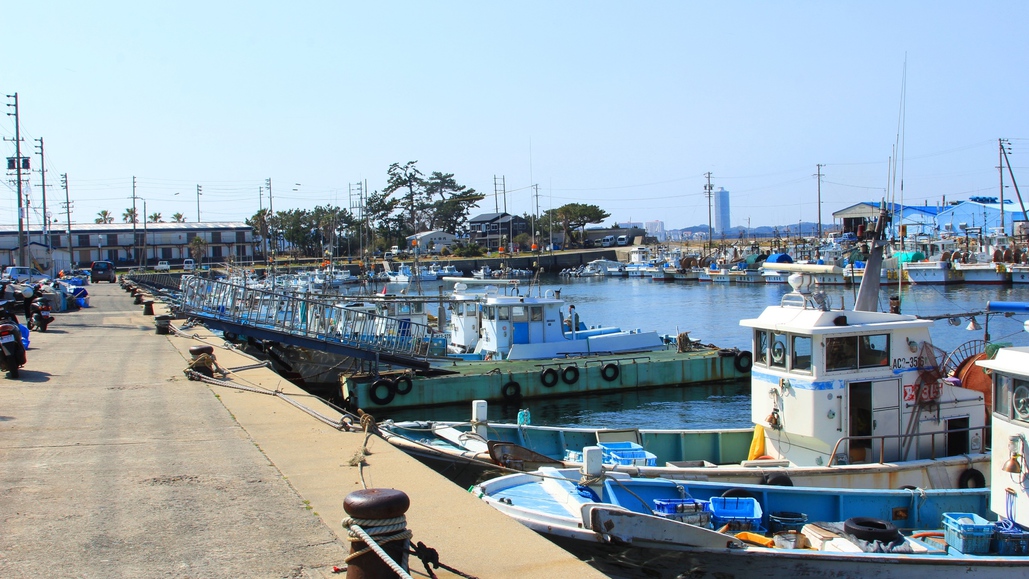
{"x":488,"y":229}
{"x":721,"y":213}
{"x":979,"y":212}
{"x":434,"y":240}
{"x":656,"y":229}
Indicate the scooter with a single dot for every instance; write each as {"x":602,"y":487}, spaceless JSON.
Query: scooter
{"x":39,"y":316}
{"x":12,"y":351}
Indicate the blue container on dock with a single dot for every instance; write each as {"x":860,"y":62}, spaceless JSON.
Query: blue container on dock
{"x":627,"y":454}
{"x":967,"y":532}
{"x":739,"y":513}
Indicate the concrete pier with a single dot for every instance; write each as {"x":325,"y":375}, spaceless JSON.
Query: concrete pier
{"x":113,"y":464}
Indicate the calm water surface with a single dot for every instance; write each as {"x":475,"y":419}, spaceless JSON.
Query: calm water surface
{"x":711,"y":313}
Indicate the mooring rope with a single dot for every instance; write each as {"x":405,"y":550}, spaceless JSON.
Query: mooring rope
{"x":359,"y":530}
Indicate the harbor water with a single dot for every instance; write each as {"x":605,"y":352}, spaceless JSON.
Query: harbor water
{"x":710,"y":312}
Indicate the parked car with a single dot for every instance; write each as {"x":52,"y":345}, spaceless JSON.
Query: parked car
{"x":162,"y":266}
{"x":188,"y":265}
{"x":102,"y":271}
{"x":24,"y":274}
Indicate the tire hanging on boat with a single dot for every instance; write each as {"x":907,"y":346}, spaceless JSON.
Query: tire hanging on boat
{"x":548,"y":377}
{"x":743,"y":362}
{"x":971,"y":479}
{"x":570,"y":374}
{"x":869,"y":529}
{"x":512,"y":390}
{"x":778,"y":479}
{"x":609,"y":371}
{"x":402,"y":385}
{"x":382,"y":399}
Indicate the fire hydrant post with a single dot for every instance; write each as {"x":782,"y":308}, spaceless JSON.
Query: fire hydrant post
{"x":366,"y":508}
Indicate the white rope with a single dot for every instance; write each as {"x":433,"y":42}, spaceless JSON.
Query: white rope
{"x":379,"y":527}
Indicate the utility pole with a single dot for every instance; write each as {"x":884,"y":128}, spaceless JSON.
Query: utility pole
{"x":1014,"y":183}
{"x":709,"y":191}
{"x":67,"y":209}
{"x":199,"y":188}
{"x":1000,"y":169}
{"x":46,"y":216}
{"x":271,"y":210}
{"x":135,"y":244}
{"x":18,"y":167}
{"x":819,"y":166}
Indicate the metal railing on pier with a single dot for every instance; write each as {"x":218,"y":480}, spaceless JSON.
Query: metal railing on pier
{"x":308,"y":321}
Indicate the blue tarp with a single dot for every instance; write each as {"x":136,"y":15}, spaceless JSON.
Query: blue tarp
{"x":779,"y":258}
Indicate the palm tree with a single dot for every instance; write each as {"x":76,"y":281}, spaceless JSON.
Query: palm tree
{"x":130,"y":215}
{"x":196,"y":248}
{"x":178,"y":218}
{"x":155,"y":218}
{"x":104,"y":217}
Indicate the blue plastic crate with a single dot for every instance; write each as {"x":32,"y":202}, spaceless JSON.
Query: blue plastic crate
{"x":967,"y":532}
{"x":627,"y":454}
{"x":739,"y":513}
{"x":1010,"y":544}
{"x":673,"y":506}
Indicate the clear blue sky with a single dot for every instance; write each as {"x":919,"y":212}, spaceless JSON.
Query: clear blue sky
{"x":620,"y":104}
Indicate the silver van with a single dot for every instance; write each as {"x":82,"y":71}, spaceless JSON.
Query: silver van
{"x":607,"y":241}
{"x":623,"y":240}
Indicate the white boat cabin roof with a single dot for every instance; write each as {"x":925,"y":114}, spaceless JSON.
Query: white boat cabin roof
{"x":811,"y":321}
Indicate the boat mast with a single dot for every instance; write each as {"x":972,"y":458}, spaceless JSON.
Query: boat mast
{"x":868,"y":293}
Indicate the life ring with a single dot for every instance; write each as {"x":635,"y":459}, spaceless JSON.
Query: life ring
{"x":869,"y":529}
{"x":570,"y":374}
{"x":743,"y":362}
{"x":778,"y":479}
{"x":609,"y":371}
{"x":511,"y":391}
{"x":778,"y":352}
{"x":971,"y":479}
{"x":382,"y":399}
{"x":403,"y":385}
{"x":548,"y":377}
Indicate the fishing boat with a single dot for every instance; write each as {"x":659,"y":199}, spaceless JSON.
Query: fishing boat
{"x":670,"y":527}
{"x":848,"y":398}
{"x":505,"y":346}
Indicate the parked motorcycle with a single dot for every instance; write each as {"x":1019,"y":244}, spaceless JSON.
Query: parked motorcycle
{"x":39,"y":314}
{"x":12,"y":351}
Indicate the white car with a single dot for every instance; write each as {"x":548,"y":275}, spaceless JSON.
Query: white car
{"x":24,"y":274}
{"x":162,"y":266}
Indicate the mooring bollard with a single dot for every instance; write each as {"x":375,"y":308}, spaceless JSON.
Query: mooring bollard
{"x":380,"y":513}
{"x":163,"y":323}
{"x":148,"y":307}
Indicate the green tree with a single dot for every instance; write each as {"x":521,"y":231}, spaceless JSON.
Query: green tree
{"x":104,"y":217}
{"x":197,"y":248}
{"x":575,"y":216}
{"x":130,"y":215}
{"x":407,"y":181}
{"x":155,"y":218}
{"x":259,"y":222}
{"x":178,"y":218}
{"x":455,"y":201}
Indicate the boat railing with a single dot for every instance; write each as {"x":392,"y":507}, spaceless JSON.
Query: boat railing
{"x":834,"y":458}
{"x":305,"y":317}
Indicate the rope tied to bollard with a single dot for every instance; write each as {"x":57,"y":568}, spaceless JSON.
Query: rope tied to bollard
{"x":374,"y":533}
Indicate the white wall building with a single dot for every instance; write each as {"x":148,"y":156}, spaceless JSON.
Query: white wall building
{"x":656,"y":229}
{"x":721,"y":213}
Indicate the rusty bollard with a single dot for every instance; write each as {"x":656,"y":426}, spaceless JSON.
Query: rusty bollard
{"x":148,"y":307}
{"x":380,"y":512}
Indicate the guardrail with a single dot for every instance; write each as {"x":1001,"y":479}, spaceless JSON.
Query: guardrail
{"x":311,"y":318}
{"x":882,"y":438}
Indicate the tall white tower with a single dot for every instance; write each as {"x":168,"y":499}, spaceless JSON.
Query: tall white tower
{"x":721,"y":213}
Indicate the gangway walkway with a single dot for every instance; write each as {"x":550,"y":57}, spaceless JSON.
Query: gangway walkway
{"x":260,"y":313}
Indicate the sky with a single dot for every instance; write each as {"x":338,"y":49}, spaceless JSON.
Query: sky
{"x":624,"y":105}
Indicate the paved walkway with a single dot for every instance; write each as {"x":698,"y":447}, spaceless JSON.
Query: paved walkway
{"x":112,"y":464}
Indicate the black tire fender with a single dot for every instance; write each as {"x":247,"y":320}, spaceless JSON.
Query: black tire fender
{"x":869,"y":529}
{"x":778,"y":479}
{"x":609,"y":371}
{"x":971,"y":479}
{"x":738,"y":493}
{"x":549,"y":377}
{"x":403,"y":384}
{"x":382,"y":399}
{"x":570,"y":375}
{"x":511,"y":391}
{"x":743,"y":362}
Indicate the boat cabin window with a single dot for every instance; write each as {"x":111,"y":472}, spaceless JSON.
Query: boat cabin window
{"x":536,"y":313}
{"x":1011,"y":398}
{"x":778,"y":350}
{"x":489,"y":312}
{"x":761,"y":347}
{"x":518,"y":314}
{"x":503,"y":313}
{"x":800,"y":354}
{"x":853,"y":352}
